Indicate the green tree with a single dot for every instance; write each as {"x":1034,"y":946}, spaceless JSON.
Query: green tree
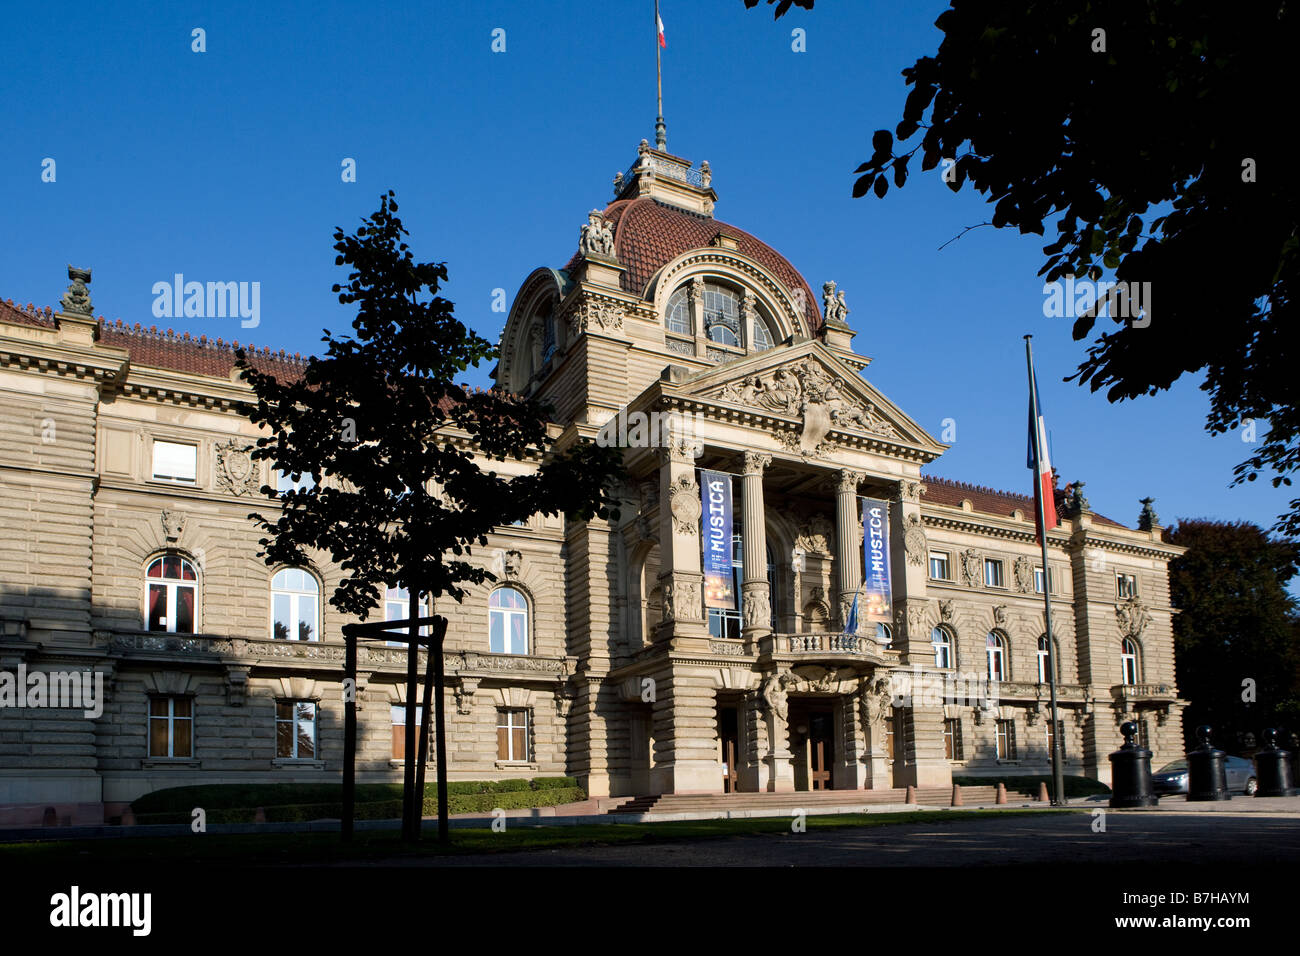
{"x":399,"y":453}
{"x":1151,"y":132}
{"x":1235,"y":623}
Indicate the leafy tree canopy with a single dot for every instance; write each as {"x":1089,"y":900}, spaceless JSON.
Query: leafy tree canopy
{"x":399,"y":453}
{"x":1151,"y":136}
{"x":1236,"y":622}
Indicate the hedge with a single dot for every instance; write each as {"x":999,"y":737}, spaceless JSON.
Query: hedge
{"x":1075,"y":786}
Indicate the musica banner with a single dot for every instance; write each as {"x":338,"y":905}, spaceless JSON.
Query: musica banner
{"x":877,"y":587}
{"x":719,"y":576}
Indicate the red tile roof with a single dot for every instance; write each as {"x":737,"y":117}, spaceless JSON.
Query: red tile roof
{"x":648,"y":234}
{"x":944,"y":491}
{"x":153,"y":348}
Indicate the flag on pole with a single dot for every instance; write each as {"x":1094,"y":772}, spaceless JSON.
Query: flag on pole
{"x":660,"y":23}
{"x":1040,"y":462}
{"x":851,"y":625}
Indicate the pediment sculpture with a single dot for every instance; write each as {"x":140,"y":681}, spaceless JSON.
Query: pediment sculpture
{"x":1132,"y":616}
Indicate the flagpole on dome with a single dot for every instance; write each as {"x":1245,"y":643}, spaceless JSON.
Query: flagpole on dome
{"x":1043,"y":490}
{"x":661,"y":130}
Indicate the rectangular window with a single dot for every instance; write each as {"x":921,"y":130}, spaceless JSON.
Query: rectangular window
{"x":512,"y":735}
{"x":284,"y":482}
{"x":173,"y":461}
{"x":1126,"y":585}
{"x":171,"y":727}
{"x":1006,"y":731}
{"x":891,"y":738}
{"x":993,"y":573}
{"x":398,"y":717}
{"x":1038,"y":580}
{"x":939,"y":566}
{"x":952,"y":744}
{"x":295,"y":729}
{"x":1060,"y":729}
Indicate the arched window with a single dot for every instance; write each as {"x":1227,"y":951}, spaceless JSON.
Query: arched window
{"x":721,"y":315}
{"x":1128,"y":661}
{"x":762,"y":335}
{"x":507,"y":622}
{"x":679,"y":313}
{"x":397,"y":607}
{"x":941,"y":641}
{"x":295,"y":606}
{"x":549,"y":341}
{"x":1043,"y":660}
{"x":996,"y":649}
{"x":172,"y":585}
{"x":884,"y":636}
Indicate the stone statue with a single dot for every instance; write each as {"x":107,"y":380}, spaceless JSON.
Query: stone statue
{"x":77,"y":299}
{"x":597,"y":236}
{"x":775,"y":696}
{"x":1148,"y":519}
{"x":830,"y":305}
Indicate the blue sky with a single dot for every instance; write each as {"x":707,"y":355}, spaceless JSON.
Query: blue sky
{"x":225,"y":166}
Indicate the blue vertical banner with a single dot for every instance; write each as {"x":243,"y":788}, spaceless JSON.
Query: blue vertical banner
{"x":877,"y":588}
{"x":715,"y":498}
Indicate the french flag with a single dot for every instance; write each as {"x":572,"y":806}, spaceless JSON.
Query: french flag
{"x":1040,"y":462}
{"x":660,"y":23}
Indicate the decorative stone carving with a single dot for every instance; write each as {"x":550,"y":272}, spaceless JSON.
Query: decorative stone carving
{"x":682,"y":601}
{"x":970,"y":566}
{"x":833,"y":308}
{"x":875,"y":699}
{"x":1024,"y":573}
{"x":236,"y":685}
{"x":236,"y":470}
{"x":1076,"y":504}
{"x":1000,"y":615}
{"x":1148,"y":519}
{"x":775,"y":697}
{"x":815,"y":535}
{"x":918,"y":615}
{"x":173,"y":525}
{"x":684,"y":505}
{"x":597,"y":236}
{"x":910,"y":490}
{"x":947,"y":609}
{"x":806,"y":389}
{"x":914,"y":541}
{"x":76,"y":301}
{"x":756,"y":462}
{"x":598,"y":314}
{"x":465,"y":691}
{"x":758,"y":610}
{"x":1132,"y":616}
{"x":511,"y":563}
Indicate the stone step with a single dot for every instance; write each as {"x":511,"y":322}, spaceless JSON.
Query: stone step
{"x":719,"y":802}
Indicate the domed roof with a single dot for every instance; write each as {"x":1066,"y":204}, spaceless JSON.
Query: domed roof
{"x":648,"y":234}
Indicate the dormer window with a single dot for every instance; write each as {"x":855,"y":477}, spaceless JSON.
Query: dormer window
{"x":679,"y":313}
{"x":721,"y":316}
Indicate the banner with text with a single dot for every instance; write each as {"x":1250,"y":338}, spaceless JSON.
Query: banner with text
{"x":715,"y":498}
{"x":877,"y":588}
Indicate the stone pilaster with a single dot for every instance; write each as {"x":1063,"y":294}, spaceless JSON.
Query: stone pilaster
{"x":848,"y":555}
{"x":909,"y":564}
{"x":756,"y":597}
{"x":686,"y":757}
{"x":679,"y":545}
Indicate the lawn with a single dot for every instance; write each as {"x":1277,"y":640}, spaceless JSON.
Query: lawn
{"x":319,"y":848}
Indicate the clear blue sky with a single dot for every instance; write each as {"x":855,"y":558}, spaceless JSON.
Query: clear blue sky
{"x":225,"y":165}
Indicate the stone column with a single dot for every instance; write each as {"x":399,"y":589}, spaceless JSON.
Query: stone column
{"x":679,"y":544}
{"x":695,"y":301}
{"x":756,"y":597}
{"x":848,"y":550}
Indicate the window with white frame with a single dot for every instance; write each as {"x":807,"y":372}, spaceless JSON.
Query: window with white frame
{"x":295,"y":729}
{"x":993,"y":573}
{"x":1006,"y":740}
{"x":941,"y":641}
{"x":397,"y":715}
{"x":397,"y":607}
{"x":171,"y":599}
{"x":1126,"y":585}
{"x":507,"y":622}
{"x":171,"y":727}
{"x":763,"y":339}
{"x":996,"y":651}
{"x":1038,"y":580}
{"x":175,"y":461}
{"x":678,"y":319}
{"x":939,"y":567}
{"x":1128,"y":660}
{"x":512,"y":735}
{"x":295,"y":605}
{"x":1043,"y":654}
{"x":952,"y":742}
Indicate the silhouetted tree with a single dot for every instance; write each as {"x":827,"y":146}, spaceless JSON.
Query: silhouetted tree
{"x":397,"y":449}
{"x":1149,"y":130}
{"x":1235,"y":623}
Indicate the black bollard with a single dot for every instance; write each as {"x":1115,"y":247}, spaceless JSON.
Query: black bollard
{"x":1206,"y":777}
{"x":1273,"y":769}
{"x":1130,"y":772}
{"x":1293,"y":745}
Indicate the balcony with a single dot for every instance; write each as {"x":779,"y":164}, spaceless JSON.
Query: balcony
{"x":1153,"y":693}
{"x":847,"y":648}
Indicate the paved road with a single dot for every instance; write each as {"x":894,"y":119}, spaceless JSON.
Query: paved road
{"x":1029,"y":838}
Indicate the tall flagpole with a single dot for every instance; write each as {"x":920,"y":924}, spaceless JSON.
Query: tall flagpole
{"x":1058,"y":778}
{"x":661,"y":130}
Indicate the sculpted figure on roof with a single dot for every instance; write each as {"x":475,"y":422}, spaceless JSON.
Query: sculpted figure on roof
{"x":597,"y":236}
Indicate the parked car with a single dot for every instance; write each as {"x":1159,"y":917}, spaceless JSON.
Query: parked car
{"x":1172,"y":777}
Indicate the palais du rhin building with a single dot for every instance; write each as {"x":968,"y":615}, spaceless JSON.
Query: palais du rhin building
{"x":125,"y":483}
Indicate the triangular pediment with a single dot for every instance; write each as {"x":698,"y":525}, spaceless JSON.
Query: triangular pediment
{"x":809,"y":386}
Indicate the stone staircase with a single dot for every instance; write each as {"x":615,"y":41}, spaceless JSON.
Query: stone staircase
{"x":779,"y":803}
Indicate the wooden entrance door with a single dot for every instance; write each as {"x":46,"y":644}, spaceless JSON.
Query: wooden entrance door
{"x":728,"y":731}
{"x":821,"y":750}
